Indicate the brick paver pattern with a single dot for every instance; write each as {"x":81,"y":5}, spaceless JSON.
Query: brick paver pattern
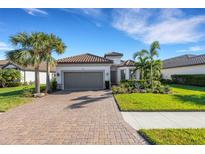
{"x":88,"y":117}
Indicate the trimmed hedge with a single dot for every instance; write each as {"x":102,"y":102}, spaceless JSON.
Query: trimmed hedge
{"x":13,"y":84}
{"x":189,"y":79}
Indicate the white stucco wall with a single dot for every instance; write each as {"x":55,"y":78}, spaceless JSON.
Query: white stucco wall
{"x":127,"y":73}
{"x":197,"y":69}
{"x":30,"y":76}
{"x":116,"y":59}
{"x":61,"y":68}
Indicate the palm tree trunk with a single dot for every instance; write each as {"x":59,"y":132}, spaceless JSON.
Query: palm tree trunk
{"x":47,"y":77}
{"x":142,"y":74}
{"x":37,"y":80}
{"x":151,"y":76}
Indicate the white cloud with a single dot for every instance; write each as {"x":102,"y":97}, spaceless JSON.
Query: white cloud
{"x":91,"y":12}
{"x":34,"y":11}
{"x":164,"y":25}
{"x":4,"y":46}
{"x":96,"y":15}
{"x":193,"y":49}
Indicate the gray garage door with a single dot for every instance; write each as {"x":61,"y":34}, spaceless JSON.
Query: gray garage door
{"x":83,"y":80}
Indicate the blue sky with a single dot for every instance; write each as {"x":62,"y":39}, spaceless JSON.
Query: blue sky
{"x":97,"y":31}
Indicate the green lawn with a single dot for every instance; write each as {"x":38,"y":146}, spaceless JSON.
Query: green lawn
{"x":12,"y":97}
{"x":183,"y":98}
{"x":174,"y":136}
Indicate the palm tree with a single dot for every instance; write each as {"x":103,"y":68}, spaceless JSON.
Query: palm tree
{"x":28,"y":51}
{"x":52,"y":44}
{"x":151,"y":54}
{"x":141,"y":63}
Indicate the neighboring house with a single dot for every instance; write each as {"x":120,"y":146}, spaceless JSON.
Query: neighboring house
{"x":88,"y":71}
{"x":185,"y":64}
{"x":28,"y":73}
{"x":2,"y":63}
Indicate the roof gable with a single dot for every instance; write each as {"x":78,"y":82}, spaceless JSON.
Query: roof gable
{"x":127,"y":63}
{"x":7,"y":64}
{"x":84,"y":59}
{"x":11,"y":65}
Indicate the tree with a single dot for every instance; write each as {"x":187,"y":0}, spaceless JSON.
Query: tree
{"x":141,"y":63}
{"x":146,"y":59}
{"x":151,"y":54}
{"x":29,"y":49}
{"x":52,"y":44}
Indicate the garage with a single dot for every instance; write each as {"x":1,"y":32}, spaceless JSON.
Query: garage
{"x":83,"y":80}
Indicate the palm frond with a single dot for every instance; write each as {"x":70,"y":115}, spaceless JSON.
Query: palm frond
{"x":21,"y":57}
{"x":153,"y":48}
{"x":141,"y":53}
{"x":21,"y":39}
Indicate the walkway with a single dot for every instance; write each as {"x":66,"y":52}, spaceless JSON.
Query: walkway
{"x":148,"y":120}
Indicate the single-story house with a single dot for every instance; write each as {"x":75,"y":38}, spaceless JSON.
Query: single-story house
{"x":185,"y":64}
{"x":88,"y":71}
{"x":28,"y":73}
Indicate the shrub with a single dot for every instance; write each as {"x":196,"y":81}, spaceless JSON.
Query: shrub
{"x":189,"y":79}
{"x":167,"y":89}
{"x":139,"y":84}
{"x":142,"y":86}
{"x":9,"y":77}
{"x":53,"y":84}
{"x":28,"y":92}
{"x":127,"y":83}
{"x":42,"y":88}
{"x":13,"y":84}
{"x":148,"y":90}
{"x":119,"y":90}
{"x":166,"y":81}
{"x":156,"y":84}
{"x":2,"y":80}
{"x":25,"y":84}
{"x":162,"y":89}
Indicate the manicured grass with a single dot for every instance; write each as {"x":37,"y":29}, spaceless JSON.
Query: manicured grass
{"x":184,"y":98}
{"x":174,"y":136}
{"x":12,"y":97}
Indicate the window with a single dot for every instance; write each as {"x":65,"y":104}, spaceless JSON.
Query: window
{"x":122,"y":74}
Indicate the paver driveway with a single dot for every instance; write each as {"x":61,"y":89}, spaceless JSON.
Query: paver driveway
{"x":89,"y":117}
